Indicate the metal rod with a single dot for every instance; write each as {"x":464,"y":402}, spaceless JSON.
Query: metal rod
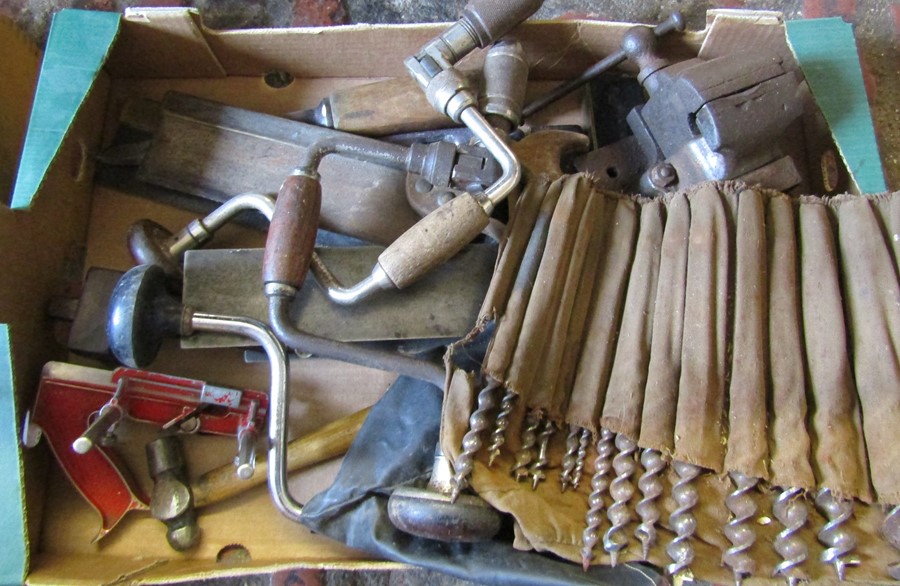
{"x":675,"y":22}
{"x":357,"y":147}
{"x":279,"y":317}
{"x":279,"y":400}
{"x":494,"y":143}
{"x":200,"y":231}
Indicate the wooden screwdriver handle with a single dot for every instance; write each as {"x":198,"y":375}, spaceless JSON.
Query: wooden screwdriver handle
{"x":292,"y":232}
{"x":319,"y":446}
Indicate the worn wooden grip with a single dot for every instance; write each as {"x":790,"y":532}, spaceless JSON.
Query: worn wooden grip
{"x":328,"y":442}
{"x":433,"y":240}
{"x":292,"y":233}
{"x":385,"y":107}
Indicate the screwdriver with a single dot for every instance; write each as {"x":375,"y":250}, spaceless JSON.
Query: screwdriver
{"x":376,"y":109}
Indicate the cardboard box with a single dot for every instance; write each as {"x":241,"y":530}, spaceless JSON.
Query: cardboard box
{"x":60,"y":223}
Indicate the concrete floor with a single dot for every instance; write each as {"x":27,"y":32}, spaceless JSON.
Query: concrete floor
{"x":876,"y":26}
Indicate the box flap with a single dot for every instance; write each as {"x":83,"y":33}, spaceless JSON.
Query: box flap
{"x":14,"y":537}
{"x":826,"y":51}
{"x":156,"y":42}
{"x":19,"y":69}
{"x":76,"y":49}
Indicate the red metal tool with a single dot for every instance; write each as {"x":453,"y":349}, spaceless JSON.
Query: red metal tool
{"x":78,"y":409}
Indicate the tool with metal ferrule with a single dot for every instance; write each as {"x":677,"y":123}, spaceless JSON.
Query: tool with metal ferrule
{"x":142,"y":314}
{"x":227,"y":282}
{"x":472,"y":168}
{"x":442,"y":233}
{"x":428,"y":244}
{"x":442,"y":306}
{"x":375,"y":109}
{"x":215,"y":152}
{"x":79,"y":408}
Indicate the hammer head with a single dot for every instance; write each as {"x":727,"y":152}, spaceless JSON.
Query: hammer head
{"x":172,"y":501}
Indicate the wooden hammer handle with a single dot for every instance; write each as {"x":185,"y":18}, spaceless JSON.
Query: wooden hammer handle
{"x":319,"y":446}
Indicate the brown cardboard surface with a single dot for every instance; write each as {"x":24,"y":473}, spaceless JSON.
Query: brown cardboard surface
{"x":36,"y":247}
{"x":19,"y":71}
{"x":172,"y":51}
{"x":250,"y":519}
{"x":182,"y":47}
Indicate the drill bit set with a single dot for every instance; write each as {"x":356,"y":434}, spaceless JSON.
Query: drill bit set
{"x":705,"y":380}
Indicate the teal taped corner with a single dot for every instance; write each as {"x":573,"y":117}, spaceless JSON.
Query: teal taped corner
{"x":826,"y":51}
{"x":14,"y":533}
{"x":77,"y":47}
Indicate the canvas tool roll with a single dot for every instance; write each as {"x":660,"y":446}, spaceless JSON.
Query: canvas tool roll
{"x":750,"y":334}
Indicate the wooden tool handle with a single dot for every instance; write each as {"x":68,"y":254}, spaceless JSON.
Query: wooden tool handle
{"x":292,"y":233}
{"x":384,"y":107}
{"x":319,"y":446}
{"x":433,"y":240}
{"x":489,"y":19}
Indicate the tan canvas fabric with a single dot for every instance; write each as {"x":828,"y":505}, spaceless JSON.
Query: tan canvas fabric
{"x":509,"y":323}
{"x":872,"y":299}
{"x":512,"y":249}
{"x":598,"y":349}
{"x":741,"y":330}
{"x":789,"y":446}
{"x":748,"y":448}
{"x":581,"y":286}
{"x":547,"y":291}
{"x":664,"y":367}
{"x":625,"y":395}
{"x":836,"y":426}
{"x":701,"y":389}
{"x":565,"y":328}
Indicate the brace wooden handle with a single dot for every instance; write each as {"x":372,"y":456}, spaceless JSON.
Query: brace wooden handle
{"x":384,"y":107}
{"x":433,"y":240}
{"x":292,"y":233}
{"x":326,"y":443}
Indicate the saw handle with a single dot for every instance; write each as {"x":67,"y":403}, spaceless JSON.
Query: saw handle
{"x":292,"y":233}
{"x":433,"y":240}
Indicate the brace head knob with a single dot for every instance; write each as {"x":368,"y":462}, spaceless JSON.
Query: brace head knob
{"x":430,"y":514}
{"x":141,"y":314}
